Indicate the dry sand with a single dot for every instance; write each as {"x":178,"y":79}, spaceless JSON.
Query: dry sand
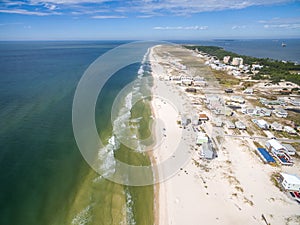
{"x":234,"y":188}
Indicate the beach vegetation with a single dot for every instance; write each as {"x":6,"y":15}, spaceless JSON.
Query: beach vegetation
{"x":238,"y":188}
{"x":275,"y":70}
{"x":246,"y":200}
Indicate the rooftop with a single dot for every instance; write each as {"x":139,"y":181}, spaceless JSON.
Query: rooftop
{"x":290,"y":178}
{"x":275,"y":144}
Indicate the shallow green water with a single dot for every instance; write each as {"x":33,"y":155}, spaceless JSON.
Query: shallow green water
{"x":44,"y":179}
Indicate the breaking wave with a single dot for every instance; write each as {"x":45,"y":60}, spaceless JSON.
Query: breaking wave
{"x":125,"y":130}
{"x":83,"y":217}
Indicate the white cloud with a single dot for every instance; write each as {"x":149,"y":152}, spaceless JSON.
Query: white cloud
{"x":145,"y":16}
{"x":278,"y":20}
{"x":50,"y":6}
{"x":235,"y":27}
{"x":12,"y":3}
{"x":26,"y":12}
{"x":281,"y":23}
{"x":284,"y":26}
{"x":146,"y":8}
{"x":68,"y":2}
{"x":109,"y":17}
{"x":187,"y":7}
{"x":182,"y":28}
{"x":85,"y":12}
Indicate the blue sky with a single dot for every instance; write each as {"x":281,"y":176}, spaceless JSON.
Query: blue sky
{"x":148,"y":19}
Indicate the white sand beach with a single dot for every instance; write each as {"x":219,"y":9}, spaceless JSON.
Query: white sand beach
{"x":234,"y":188}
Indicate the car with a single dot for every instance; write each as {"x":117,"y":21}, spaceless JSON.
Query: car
{"x":298,"y":201}
{"x":292,"y":194}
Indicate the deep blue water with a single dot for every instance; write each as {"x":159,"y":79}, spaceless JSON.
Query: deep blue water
{"x":265,"y":48}
{"x":40,"y":165}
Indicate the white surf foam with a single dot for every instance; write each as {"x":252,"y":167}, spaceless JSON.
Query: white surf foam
{"x":83,"y":217}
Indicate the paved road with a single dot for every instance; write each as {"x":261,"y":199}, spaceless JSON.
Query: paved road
{"x":262,"y":138}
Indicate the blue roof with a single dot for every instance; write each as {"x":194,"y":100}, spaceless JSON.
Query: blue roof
{"x":266,"y":155}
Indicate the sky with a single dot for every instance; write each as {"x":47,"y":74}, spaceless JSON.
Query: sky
{"x":148,"y":19}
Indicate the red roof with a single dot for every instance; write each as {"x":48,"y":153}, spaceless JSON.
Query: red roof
{"x":203,"y":116}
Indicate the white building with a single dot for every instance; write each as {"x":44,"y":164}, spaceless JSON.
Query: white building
{"x":184,"y":120}
{"x":280,"y":112}
{"x":218,"y":122}
{"x":226,"y":59}
{"x":276,"y":126}
{"x":289,"y":130}
{"x":201,"y":138}
{"x":207,"y":151}
{"x":248,"y":91}
{"x":238,"y":99}
{"x":295,"y":102}
{"x":240,"y":125}
{"x":229,"y":124}
{"x":261,"y":124}
{"x":265,"y":112}
{"x":275,"y":147}
{"x":195,"y":119}
{"x":256,"y":67}
{"x":199,"y":81}
{"x":236,"y":73}
{"x":290,"y":149}
{"x":186,"y":80}
{"x":237,"y":61}
{"x":290,"y":182}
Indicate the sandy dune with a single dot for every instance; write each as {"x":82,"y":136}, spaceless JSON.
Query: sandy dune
{"x":234,"y":188}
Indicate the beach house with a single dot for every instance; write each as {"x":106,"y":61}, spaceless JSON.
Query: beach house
{"x":275,"y":147}
{"x":295,"y":102}
{"x":186,"y":80}
{"x":251,"y":111}
{"x":290,"y":149}
{"x":199,"y":81}
{"x":195,"y":119}
{"x":226,"y":59}
{"x":265,"y":112}
{"x":240,"y":125}
{"x":281,"y":113}
{"x":237,"y":61}
{"x":201,"y":138}
{"x":276,"y":126}
{"x":218,"y":122}
{"x":248,"y":91}
{"x":238,"y":99}
{"x":289,"y":130}
{"x":207,"y":151}
{"x":279,"y":151}
{"x":290,"y":182}
{"x":261,"y":124}
{"x":203,"y":117}
{"x":268,"y":102}
{"x":229,"y":124}
{"x":184,"y":120}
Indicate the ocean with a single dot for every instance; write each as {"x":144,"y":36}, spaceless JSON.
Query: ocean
{"x":261,"y":48}
{"x":44,"y":179}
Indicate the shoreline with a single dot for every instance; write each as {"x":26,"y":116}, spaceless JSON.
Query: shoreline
{"x":163,"y":110}
{"x":156,"y":185}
